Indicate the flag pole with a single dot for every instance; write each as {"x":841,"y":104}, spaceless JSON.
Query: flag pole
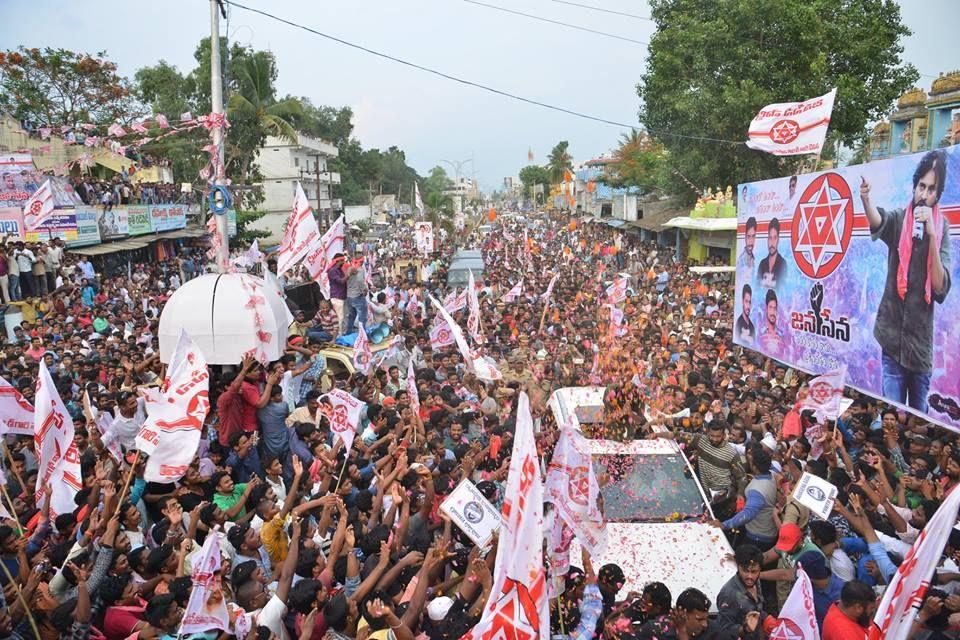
{"x":13,"y":511}
{"x":126,"y":483}
{"x":23,"y":601}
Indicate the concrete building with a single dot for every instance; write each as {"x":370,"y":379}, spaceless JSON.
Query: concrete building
{"x":922,"y":121}
{"x":283,"y":164}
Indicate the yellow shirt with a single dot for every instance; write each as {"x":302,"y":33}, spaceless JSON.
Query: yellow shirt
{"x":274,"y":540}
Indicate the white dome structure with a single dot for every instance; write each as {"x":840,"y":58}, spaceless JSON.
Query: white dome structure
{"x":226,"y":315}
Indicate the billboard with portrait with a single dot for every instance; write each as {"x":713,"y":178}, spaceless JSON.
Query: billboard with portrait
{"x":857,"y":266}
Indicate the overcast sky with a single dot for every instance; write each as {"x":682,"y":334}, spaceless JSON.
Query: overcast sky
{"x":431,"y":118}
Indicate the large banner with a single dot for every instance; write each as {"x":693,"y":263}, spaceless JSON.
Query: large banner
{"x":76,"y":227}
{"x":857,"y":265}
{"x":11,"y":222}
{"x":138,"y":219}
{"x":113,"y":224}
{"x":167,"y":217}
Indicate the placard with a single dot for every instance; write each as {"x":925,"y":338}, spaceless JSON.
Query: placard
{"x":816,"y":494}
{"x":11,"y":222}
{"x":473,"y":513}
{"x":113,"y":222}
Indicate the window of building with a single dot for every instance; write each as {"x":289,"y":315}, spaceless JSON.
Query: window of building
{"x":296,"y":161}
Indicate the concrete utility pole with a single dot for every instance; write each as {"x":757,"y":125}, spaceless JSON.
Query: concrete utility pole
{"x":216,"y":95}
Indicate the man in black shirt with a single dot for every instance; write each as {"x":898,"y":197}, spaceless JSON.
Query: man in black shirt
{"x":771,"y":270}
{"x":744,"y":326}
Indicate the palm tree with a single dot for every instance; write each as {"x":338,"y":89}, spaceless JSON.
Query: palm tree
{"x":559,"y":161}
{"x":254,"y":100}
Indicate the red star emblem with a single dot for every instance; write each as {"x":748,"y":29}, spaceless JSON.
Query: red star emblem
{"x":822,"y":225}
{"x":784,"y":131}
{"x":515,"y":614}
{"x":787,"y":630}
{"x":821,"y":392}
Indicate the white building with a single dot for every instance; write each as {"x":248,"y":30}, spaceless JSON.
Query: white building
{"x":283,"y":164}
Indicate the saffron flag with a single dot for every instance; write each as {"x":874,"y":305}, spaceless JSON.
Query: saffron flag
{"x":792,"y":128}
{"x":58,"y":460}
{"x":207,"y":608}
{"x":16,"y":414}
{"x":302,"y":235}
{"x":171,"y":433}
{"x":825,"y":393}
{"x":573,"y":489}
{"x":473,"y":303}
{"x":38,"y":207}
{"x":362,"y":357}
{"x":343,"y":411}
{"x":514,"y":292}
{"x":412,"y":392}
{"x":517,"y":605}
{"x":798,"y":619}
{"x":320,"y":256}
{"x":904,"y":594}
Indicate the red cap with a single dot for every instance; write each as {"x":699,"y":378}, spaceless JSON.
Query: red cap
{"x":790,"y":535}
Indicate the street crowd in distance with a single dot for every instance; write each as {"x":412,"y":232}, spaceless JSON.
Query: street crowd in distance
{"x":323,"y":546}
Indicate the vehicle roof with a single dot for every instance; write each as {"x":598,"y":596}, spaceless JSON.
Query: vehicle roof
{"x":466,"y":263}
{"x":468,"y":254}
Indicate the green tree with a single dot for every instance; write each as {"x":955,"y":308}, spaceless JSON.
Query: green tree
{"x":714,"y":63}
{"x":326,"y":123}
{"x":56,"y":86}
{"x":639,"y":163}
{"x":436,"y":182}
{"x":245,"y":234}
{"x":559,"y":161}
{"x":532,"y":175}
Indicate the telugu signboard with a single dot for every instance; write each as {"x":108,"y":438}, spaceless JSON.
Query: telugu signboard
{"x":138,"y":220}
{"x":858,"y":265}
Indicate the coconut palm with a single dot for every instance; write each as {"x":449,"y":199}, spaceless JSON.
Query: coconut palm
{"x":559,"y":161}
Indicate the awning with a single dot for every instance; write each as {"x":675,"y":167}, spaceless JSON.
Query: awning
{"x":703,"y":224}
{"x":139,"y":242}
{"x":616,"y":223}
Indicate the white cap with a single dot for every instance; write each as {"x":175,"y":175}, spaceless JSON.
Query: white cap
{"x":769,"y":442}
{"x":438,"y":608}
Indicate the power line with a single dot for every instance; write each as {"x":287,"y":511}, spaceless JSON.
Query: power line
{"x":469,"y":83}
{"x":557,"y":22}
{"x":616,"y":13}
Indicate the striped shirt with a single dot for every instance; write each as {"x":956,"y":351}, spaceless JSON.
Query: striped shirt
{"x":717,"y":466}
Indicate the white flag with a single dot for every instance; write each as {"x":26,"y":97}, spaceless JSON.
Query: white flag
{"x":792,"y":128}
{"x":362,"y":357}
{"x":617,"y":292}
{"x":440,"y":335}
{"x":412,"y":392}
{"x":904,"y":594}
{"x":573,"y":489}
{"x":517,"y":605}
{"x":413,"y":304}
{"x":58,"y":460}
{"x":417,"y":202}
{"x":16,"y":414}
{"x":344,"y":415}
{"x":302,"y":234}
{"x":171,"y":433}
{"x":825,"y":393}
{"x":455,"y":301}
{"x":514,"y":293}
{"x":476,"y":364}
{"x":798,"y":619}
{"x":320,"y":256}
{"x":39,"y":207}
{"x":205,"y":610}
{"x":618,"y":323}
{"x":473,"y":303}
{"x":545,"y":296}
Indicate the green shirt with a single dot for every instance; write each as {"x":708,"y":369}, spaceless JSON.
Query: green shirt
{"x":227,"y":502}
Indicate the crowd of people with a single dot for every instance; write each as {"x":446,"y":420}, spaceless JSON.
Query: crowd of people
{"x":117,"y":191}
{"x":323,"y":544}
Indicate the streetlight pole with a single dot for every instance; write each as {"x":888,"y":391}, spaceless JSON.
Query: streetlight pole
{"x":457,"y":165}
{"x":216,"y":95}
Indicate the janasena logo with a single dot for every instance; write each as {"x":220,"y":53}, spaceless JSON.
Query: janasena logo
{"x":822,"y":225}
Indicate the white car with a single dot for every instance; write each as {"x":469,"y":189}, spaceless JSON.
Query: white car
{"x":653,"y":506}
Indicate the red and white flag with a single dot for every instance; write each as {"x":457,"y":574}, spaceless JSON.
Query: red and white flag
{"x":302,"y":235}
{"x":16,"y":414}
{"x":514,"y":292}
{"x":58,"y":460}
{"x":207,"y":608}
{"x":517,"y":605}
{"x":618,"y":323}
{"x":545,"y":296}
{"x":417,"y":201}
{"x":320,"y":256}
{"x":440,"y":335}
{"x":455,"y":301}
{"x":412,"y":392}
{"x":825,"y":393}
{"x":559,"y":538}
{"x":792,"y":128}
{"x":798,"y":619}
{"x":413,"y":304}
{"x":161,"y":121}
{"x":476,"y":363}
{"x":904,"y":594}
{"x":473,"y":304}
{"x":116,"y":131}
{"x":573,"y":489}
{"x":617,"y":292}
{"x":344,"y":415}
{"x":39,"y":207}
{"x":171,"y":433}
{"x":362,"y":356}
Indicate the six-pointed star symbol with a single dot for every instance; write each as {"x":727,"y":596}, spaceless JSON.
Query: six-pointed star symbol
{"x":785,"y":131}
{"x":821,"y":226}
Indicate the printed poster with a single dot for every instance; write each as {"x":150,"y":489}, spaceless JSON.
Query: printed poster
{"x":168,"y":217}
{"x":11,"y":222}
{"x":859,"y":265}
{"x":473,"y":513}
{"x":138,"y":219}
{"x":88,"y":232}
{"x":113,"y":223}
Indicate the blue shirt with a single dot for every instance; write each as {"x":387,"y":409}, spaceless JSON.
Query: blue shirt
{"x":822,"y":599}
{"x":751,"y":508}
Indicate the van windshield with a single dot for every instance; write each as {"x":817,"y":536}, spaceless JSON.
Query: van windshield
{"x":648,"y":488}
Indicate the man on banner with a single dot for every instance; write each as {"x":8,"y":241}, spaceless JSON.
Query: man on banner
{"x":918,"y":275}
{"x":16,"y":414}
{"x":343,"y":411}
{"x":792,"y":128}
{"x":517,"y":606}
{"x":171,"y":433}
{"x":362,"y":356}
{"x":744,"y":327}
{"x":302,"y":234}
{"x":39,"y":207}
{"x":207,"y":608}
{"x":573,"y":489}
{"x":58,"y":460}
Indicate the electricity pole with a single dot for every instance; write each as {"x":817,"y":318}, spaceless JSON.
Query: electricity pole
{"x":216,"y":95}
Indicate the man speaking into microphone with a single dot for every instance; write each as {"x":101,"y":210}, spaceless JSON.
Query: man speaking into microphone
{"x":918,"y":275}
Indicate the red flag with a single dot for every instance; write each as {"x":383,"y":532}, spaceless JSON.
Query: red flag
{"x":798,"y":619}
